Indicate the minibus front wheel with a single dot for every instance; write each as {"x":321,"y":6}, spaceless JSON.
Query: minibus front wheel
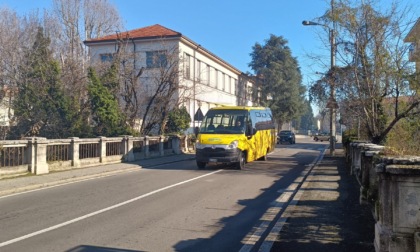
{"x":241,"y":164}
{"x":201,"y":165}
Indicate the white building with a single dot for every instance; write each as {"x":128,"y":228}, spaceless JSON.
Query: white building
{"x":211,"y":81}
{"x":413,"y":37}
{"x":6,"y":111}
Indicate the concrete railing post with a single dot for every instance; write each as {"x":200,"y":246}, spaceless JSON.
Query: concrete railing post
{"x":398,"y":208}
{"x":74,"y":151}
{"x":351,"y":151}
{"x":128,"y":148}
{"x":30,"y":151}
{"x":146,"y":146}
{"x":383,"y":226}
{"x":176,"y":145}
{"x":102,"y":149}
{"x":368,"y":177}
{"x":356,"y":161}
{"x":353,"y":147}
{"x":186,"y":148}
{"x":41,"y":166}
{"x":366,"y":162}
{"x":161,"y":149}
{"x":37,"y":154}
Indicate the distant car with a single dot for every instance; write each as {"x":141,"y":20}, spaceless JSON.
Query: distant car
{"x":322,"y":137}
{"x":286,"y":136}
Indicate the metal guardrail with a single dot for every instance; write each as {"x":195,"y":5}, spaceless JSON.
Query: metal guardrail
{"x":58,"y":152}
{"x":13,"y":155}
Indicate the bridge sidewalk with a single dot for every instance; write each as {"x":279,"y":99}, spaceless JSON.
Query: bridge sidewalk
{"x":22,"y":183}
{"x":326,"y":214}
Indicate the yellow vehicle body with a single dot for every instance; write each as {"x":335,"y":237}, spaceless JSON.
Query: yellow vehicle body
{"x":235,"y":135}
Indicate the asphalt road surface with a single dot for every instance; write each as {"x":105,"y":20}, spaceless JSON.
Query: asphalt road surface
{"x":173,"y":207}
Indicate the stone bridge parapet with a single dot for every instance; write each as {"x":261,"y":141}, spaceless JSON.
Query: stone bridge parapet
{"x":391,"y":185}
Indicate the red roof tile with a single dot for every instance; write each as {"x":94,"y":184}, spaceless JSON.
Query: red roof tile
{"x":149,"y":32}
{"x":153,"y":31}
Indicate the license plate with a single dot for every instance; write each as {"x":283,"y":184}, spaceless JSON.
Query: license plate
{"x":212,"y":160}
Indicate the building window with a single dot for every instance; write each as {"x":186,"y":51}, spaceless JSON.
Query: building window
{"x":187,"y":72}
{"x":223,"y":82}
{"x":198,"y":71}
{"x":216,"y":81}
{"x":156,"y":59}
{"x":220,"y":80}
{"x":207,"y":73}
{"x":106,"y":57}
{"x":213,"y":77}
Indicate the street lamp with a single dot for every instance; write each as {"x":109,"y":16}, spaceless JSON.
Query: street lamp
{"x":332,"y":104}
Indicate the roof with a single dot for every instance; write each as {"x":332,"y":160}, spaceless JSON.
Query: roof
{"x":229,"y":107}
{"x":414,"y":34}
{"x":155,"y":32}
{"x":148,"y":32}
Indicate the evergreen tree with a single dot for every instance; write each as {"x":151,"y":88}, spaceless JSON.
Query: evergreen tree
{"x":41,"y":108}
{"x":107,"y":118}
{"x":178,"y":120}
{"x":307,"y":121}
{"x":273,"y":62}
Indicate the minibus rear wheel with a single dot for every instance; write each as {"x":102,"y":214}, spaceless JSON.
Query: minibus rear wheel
{"x":201,"y":165}
{"x":263,"y":158}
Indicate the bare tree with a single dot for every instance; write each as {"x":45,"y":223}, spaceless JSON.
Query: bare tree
{"x":68,"y":25}
{"x":146,"y":94}
{"x":374,"y":75}
{"x":166,"y":90}
{"x":100,"y":18}
{"x":17,"y":35}
{"x":127,"y":85}
{"x":79,"y":20}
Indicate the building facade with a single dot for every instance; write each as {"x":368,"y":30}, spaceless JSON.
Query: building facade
{"x":207,"y":80}
{"x":413,"y":37}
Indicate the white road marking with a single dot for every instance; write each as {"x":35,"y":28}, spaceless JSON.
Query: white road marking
{"x":278,"y":226}
{"x":279,"y":205}
{"x":292,"y":195}
{"x":101,"y":211}
{"x":71,"y":181}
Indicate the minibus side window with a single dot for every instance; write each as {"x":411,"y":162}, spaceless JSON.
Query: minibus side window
{"x":251,"y":130}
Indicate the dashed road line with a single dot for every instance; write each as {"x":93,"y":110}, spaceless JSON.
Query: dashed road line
{"x":289,"y":197}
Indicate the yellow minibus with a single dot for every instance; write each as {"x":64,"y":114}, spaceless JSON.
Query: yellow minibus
{"x":235,"y":135}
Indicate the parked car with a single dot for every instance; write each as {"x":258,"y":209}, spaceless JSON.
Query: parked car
{"x":286,"y":136}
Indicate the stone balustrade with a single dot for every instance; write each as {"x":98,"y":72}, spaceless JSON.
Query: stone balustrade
{"x":392,"y":186}
{"x":39,"y":155}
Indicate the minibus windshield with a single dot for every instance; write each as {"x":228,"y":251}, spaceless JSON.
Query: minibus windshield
{"x":224,"y":122}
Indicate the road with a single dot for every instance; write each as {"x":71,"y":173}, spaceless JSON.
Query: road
{"x":173,"y":207}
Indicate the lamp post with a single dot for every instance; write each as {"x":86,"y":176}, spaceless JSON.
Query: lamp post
{"x":332,"y":103}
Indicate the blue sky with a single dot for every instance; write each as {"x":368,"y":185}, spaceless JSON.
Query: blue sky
{"x":229,"y":28}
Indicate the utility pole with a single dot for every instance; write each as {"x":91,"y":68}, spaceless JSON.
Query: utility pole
{"x":333,"y":102}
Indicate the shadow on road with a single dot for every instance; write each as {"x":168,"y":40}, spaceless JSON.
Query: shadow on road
{"x":327,"y":217}
{"x":235,"y":228}
{"x":89,"y":248}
